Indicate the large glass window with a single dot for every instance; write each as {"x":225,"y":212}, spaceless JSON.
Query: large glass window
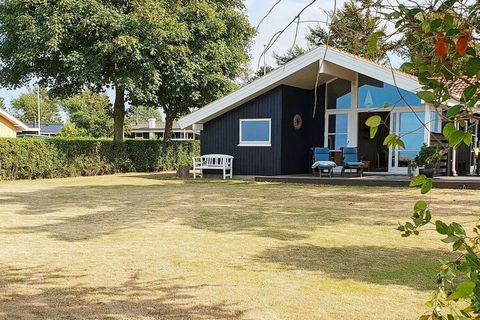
{"x":411,"y":131}
{"x":376,"y":94}
{"x":255,"y":132}
{"x":339,"y":94}
{"x":337,"y":131}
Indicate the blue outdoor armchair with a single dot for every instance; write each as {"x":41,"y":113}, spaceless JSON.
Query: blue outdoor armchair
{"x":351,"y":162}
{"x":321,"y":160}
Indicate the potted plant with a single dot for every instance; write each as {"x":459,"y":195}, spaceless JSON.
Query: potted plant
{"x":427,"y":160}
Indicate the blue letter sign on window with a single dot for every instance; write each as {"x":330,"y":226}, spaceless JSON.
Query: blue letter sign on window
{"x":255,"y":131}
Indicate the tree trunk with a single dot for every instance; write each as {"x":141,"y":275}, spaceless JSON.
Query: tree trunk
{"x":119,"y":113}
{"x":169,"y":117}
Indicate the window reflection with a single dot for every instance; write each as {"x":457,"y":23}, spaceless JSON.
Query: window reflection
{"x":376,"y":94}
{"x":337,"y":131}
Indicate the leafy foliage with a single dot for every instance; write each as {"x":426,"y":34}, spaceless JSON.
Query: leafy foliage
{"x":447,"y":54}
{"x":91,"y":113}
{"x":214,"y":54}
{"x":59,"y":157}
{"x":354,"y":29}
{"x":25,"y":107}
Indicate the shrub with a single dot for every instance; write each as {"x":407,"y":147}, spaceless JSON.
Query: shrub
{"x":60,"y":157}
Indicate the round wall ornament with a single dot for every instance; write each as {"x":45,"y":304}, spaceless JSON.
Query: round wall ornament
{"x":297,"y":122}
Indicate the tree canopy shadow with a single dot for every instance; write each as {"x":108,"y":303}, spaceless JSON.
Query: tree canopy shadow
{"x":264,"y":210}
{"x":415,"y":268}
{"x":133,"y":299}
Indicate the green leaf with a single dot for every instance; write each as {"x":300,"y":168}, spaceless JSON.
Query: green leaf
{"x":426,"y":26}
{"x":389,"y":139}
{"x":449,"y":129}
{"x":453,"y":111}
{"x":464,"y":289}
{"x":418,"y":180}
{"x":373,"y":121}
{"x":456,"y":137}
{"x":442,"y":227}
{"x":469,"y":92}
{"x":401,"y":143}
{"x":457,"y":228}
{"x":372,"y":44}
{"x":450,"y":239}
{"x":421,"y":206}
{"x":373,"y":132}
{"x":468,"y":140}
{"x":427,"y":96}
{"x":472,"y":67}
{"x":427,"y":186}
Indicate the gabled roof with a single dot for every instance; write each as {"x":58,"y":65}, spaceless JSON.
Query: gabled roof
{"x":17,"y":123}
{"x":48,"y":128}
{"x":300,"y":72}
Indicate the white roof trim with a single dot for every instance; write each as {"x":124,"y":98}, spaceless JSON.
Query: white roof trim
{"x":274,"y":79}
{"x":17,"y":123}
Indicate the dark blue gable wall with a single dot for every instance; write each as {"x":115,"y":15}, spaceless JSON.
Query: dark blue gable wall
{"x":290,"y":151}
{"x":221,"y":135}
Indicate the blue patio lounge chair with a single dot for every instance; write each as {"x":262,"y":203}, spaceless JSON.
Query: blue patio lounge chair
{"x":351,"y":162}
{"x":321,"y":160}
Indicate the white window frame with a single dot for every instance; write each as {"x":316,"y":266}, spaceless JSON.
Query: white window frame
{"x":351,"y":113}
{"x":255,"y":143}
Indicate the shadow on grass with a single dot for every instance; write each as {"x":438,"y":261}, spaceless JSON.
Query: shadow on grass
{"x":46,"y":299}
{"x":281,"y":212}
{"x":414,"y":268}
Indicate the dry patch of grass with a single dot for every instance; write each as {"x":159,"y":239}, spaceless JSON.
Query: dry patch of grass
{"x":153,"y":247}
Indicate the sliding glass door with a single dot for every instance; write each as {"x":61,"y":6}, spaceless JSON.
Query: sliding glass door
{"x":410,"y":127}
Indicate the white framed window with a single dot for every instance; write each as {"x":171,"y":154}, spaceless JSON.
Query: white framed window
{"x":255,"y":133}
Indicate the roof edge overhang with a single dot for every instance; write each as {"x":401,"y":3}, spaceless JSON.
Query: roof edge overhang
{"x":17,"y":123}
{"x":274,"y":79}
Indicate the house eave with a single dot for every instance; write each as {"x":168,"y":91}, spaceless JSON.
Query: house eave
{"x":337,"y":59}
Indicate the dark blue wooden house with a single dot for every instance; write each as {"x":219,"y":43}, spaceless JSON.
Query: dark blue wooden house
{"x":322,"y":98}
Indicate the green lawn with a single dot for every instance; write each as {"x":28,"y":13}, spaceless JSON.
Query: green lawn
{"x":152,"y":247}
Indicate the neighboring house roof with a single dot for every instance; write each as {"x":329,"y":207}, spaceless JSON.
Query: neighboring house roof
{"x":17,"y":123}
{"x":303,"y":72}
{"x":158,"y":126}
{"x":48,"y":128}
{"x":461,"y":84}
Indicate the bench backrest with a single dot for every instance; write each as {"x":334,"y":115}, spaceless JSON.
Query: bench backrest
{"x":216,"y":160}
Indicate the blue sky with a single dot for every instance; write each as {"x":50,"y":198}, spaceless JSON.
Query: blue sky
{"x":256,"y":10}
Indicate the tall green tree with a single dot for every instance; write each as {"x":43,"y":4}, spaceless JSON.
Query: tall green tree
{"x":91,"y":112}
{"x":215,"y":55}
{"x":25,"y":107}
{"x":351,"y":28}
{"x":141,"y":114}
{"x":72,"y":45}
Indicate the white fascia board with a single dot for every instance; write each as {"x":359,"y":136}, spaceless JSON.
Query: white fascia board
{"x":274,"y":79}
{"x":19,"y":124}
{"x":251,"y":90}
{"x":373,"y":70}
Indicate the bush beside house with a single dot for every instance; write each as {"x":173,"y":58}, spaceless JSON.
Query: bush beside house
{"x":55,"y":158}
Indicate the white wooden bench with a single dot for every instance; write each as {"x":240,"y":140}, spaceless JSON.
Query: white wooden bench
{"x":213,"y":162}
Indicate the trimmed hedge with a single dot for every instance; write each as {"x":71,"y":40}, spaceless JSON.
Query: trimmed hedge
{"x":35,"y":158}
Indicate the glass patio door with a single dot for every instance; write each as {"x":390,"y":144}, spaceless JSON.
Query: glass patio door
{"x":409,"y":126}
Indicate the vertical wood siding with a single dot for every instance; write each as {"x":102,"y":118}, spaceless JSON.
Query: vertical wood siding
{"x":296,"y":143}
{"x":221,"y":135}
{"x":290,"y":151}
